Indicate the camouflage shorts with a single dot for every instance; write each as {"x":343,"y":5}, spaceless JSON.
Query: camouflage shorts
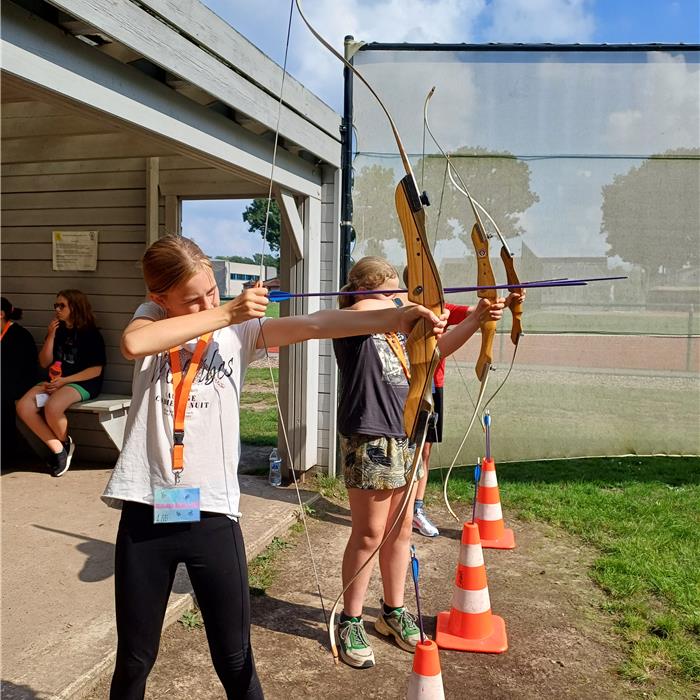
{"x":371,"y":462}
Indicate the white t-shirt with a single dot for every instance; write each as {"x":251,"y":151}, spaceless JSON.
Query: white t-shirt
{"x":212,"y":435}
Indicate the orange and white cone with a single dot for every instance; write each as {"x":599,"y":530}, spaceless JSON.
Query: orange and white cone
{"x":470,"y":625}
{"x":425,"y":682}
{"x":489,"y":516}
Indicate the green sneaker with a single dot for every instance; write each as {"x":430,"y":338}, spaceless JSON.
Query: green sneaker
{"x":353,"y":644}
{"x":401,"y":625}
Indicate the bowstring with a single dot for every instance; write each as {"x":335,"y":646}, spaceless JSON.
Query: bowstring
{"x":285,"y":436}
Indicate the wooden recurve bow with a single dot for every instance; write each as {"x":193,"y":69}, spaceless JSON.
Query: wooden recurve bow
{"x":425,"y":288}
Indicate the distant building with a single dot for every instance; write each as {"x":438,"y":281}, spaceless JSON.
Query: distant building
{"x":232,"y":276}
{"x":269,"y":283}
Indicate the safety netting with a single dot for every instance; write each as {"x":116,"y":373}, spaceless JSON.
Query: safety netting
{"x":588,"y":161}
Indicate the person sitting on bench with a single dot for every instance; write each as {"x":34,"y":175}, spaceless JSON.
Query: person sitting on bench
{"x":74,"y":353}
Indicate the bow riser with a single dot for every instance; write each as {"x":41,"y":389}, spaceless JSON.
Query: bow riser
{"x":423,"y":289}
{"x":513,"y":286}
{"x":484,"y":275}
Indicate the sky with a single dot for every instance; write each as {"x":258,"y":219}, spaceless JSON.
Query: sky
{"x":218,"y":226}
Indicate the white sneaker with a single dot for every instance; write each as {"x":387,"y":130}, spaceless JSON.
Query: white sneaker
{"x":422,"y":523}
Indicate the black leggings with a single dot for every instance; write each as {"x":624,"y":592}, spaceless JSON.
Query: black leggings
{"x":146,"y":558}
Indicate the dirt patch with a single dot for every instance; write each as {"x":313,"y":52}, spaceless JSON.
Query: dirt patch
{"x":561,"y":644}
{"x":254,"y":459}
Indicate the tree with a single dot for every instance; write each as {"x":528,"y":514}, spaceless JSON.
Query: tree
{"x":651,"y":215}
{"x":236,"y":259}
{"x":254,"y":215}
{"x":498,"y":181}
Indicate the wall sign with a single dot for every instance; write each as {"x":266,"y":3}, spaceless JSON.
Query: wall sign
{"x":75,"y":250}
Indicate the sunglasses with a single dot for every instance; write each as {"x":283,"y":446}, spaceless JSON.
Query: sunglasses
{"x":59,"y":305}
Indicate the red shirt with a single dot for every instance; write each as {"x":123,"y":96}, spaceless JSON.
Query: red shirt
{"x":457,"y":314}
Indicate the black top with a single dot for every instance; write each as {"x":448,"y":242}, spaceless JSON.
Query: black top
{"x":373,"y":387}
{"x":19,"y":361}
{"x":77,"y":350}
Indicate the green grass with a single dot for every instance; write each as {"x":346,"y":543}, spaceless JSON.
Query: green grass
{"x":259,"y":423}
{"x":261,"y":375}
{"x":259,"y":427}
{"x":643,"y":516}
{"x":611,"y":321}
{"x":589,"y":413}
{"x":255,"y":397}
{"x":191,"y":619}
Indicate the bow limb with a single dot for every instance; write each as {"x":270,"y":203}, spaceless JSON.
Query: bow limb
{"x":488,"y":327}
{"x":506,"y":254}
{"x":516,"y":308}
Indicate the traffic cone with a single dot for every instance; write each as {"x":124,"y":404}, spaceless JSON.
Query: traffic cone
{"x":489,"y":516}
{"x":470,"y":625}
{"x":425,"y":682}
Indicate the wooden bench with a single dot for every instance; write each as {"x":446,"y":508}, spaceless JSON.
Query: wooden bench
{"x":110,"y":409}
{"x":96,"y":426}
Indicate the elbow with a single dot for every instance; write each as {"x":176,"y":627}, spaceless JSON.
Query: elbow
{"x":128,"y":347}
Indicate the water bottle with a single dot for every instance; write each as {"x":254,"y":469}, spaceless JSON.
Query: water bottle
{"x":55,"y":370}
{"x":275,"y":468}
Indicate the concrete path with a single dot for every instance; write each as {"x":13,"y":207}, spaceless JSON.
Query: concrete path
{"x":58,"y":632}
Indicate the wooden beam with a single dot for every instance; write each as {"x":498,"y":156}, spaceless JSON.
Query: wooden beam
{"x":87,"y":146}
{"x":29,"y":106}
{"x":207,"y":29}
{"x":129,"y":24}
{"x":206,"y":190}
{"x":93,"y":199}
{"x":173,"y":215}
{"x":74,"y":74}
{"x":152,"y":200}
{"x":292,"y":220}
{"x":99,"y":165}
{"x":20,"y":127}
{"x":76,"y":182}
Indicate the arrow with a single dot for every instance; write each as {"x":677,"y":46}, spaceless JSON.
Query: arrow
{"x":414,"y":571}
{"x":277,"y":295}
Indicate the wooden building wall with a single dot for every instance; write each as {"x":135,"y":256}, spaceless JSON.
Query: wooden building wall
{"x":330,"y":263}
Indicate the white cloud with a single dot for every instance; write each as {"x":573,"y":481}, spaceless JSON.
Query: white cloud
{"x":218,"y":228}
{"x":541,"y":20}
{"x":265,"y":24}
{"x":414,"y":21}
{"x":663,"y":97}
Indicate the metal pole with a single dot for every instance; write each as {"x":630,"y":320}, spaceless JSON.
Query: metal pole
{"x":347,"y":233}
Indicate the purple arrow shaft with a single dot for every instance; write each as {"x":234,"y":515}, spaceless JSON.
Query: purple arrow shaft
{"x":538,"y":284}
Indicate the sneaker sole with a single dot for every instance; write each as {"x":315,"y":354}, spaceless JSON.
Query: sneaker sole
{"x":71,"y":450}
{"x":383,"y":628}
{"x":420,"y":532}
{"x":62,"y":472}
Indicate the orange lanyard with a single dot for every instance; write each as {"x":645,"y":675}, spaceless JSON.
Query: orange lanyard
{"x":181,"y":391}
{"x":4,"y":330}
{"x":397,"y":347}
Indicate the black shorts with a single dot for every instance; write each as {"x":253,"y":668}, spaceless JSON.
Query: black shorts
{"x":435,"y":431}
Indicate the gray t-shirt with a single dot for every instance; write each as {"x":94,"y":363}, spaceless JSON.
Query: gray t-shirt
{"x":373,"y":387}
{"x":212,"y":435}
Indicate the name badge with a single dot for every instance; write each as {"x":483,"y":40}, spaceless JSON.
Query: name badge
{"x":177,"y":504}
